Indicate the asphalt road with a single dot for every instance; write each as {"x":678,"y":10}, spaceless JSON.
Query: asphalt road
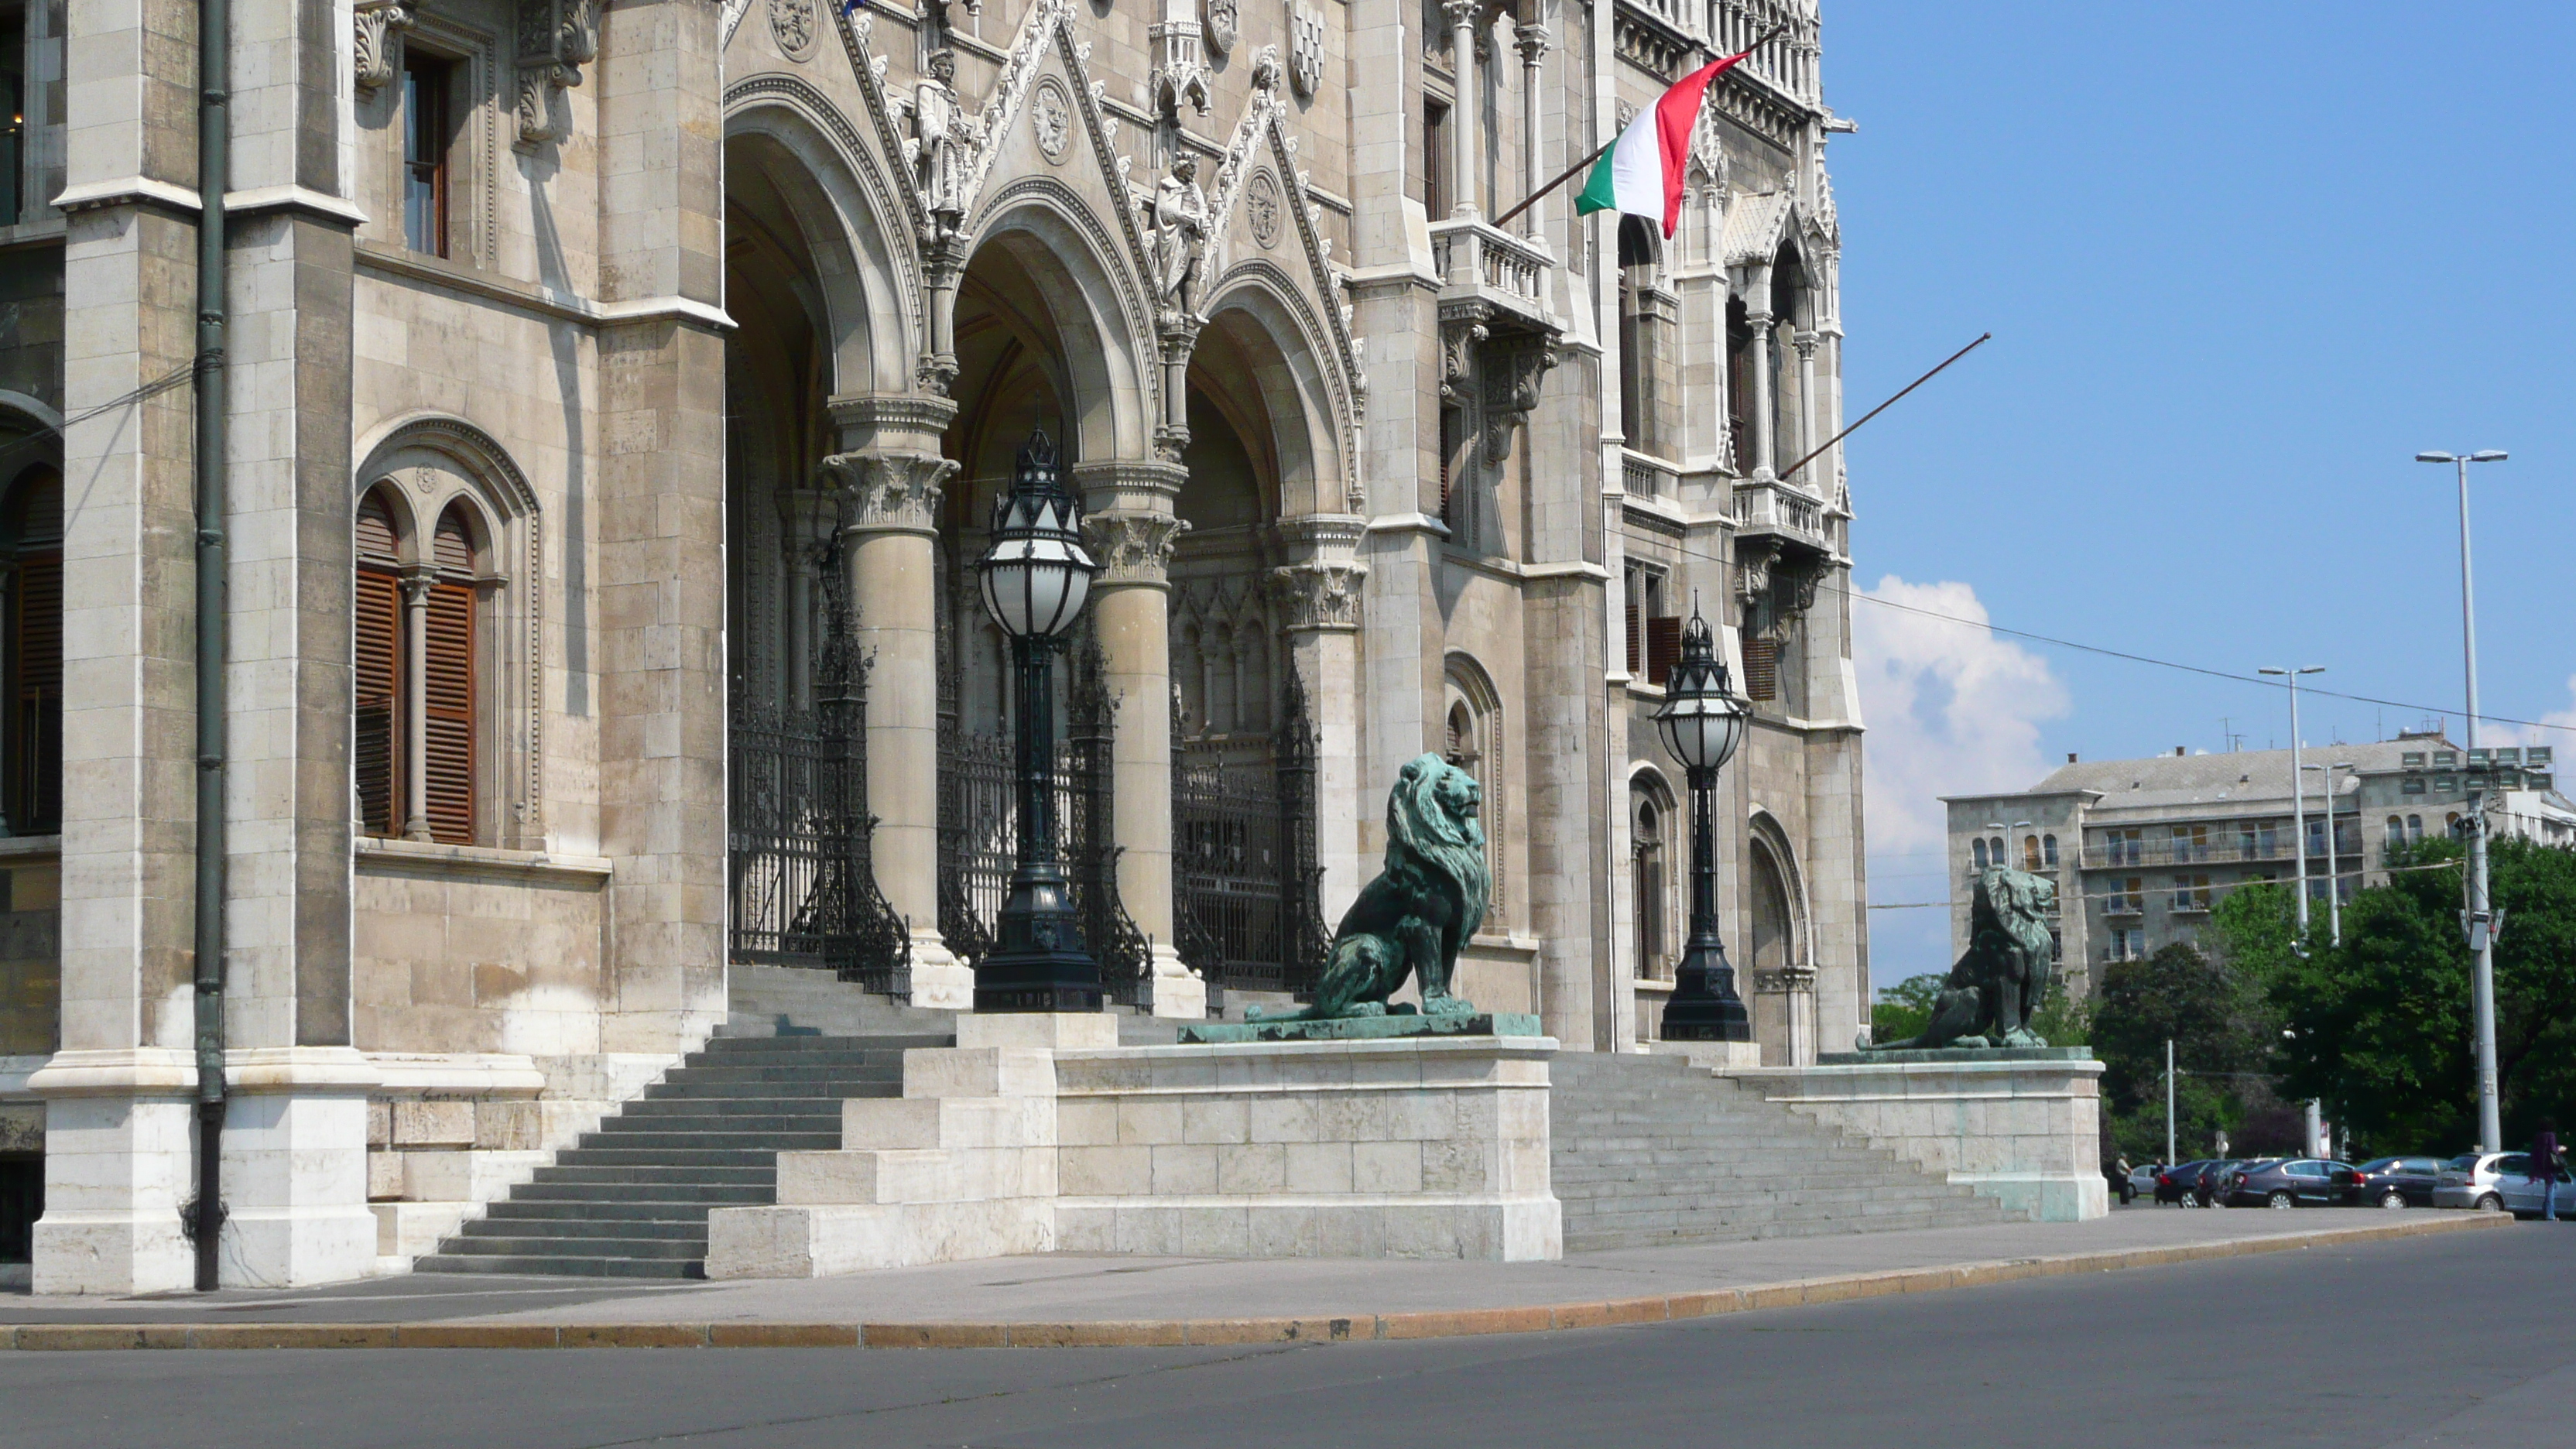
{"x":2455,"y":1340}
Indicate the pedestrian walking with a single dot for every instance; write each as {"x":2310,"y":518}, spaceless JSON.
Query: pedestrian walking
{"x":2546,"y":1159}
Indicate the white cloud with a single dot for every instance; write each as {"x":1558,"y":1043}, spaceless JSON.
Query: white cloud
{"x":1952,"y":709}
{"x":2559,"y":738}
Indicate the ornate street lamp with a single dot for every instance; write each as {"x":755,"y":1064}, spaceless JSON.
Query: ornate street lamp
{"x":1702,"y":722}
{"x":1036,"y":578}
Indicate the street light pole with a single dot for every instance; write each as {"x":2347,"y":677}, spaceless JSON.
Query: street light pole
{"x":2298,"y":794}
{"x":2480,"y":913}
{"x":2334,"y":857}
{"x":2169,"y":1104}
{"x":1702,"y":721}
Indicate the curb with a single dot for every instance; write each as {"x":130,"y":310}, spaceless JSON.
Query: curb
{"x":1189,"y":1332}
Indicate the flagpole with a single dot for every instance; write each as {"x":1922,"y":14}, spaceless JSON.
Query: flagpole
{"x":1982,"y":338}
{"x":1567,"y":174}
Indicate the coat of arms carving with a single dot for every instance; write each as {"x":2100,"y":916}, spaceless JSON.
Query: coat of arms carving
{"x":1305,"y":50}
{"x":795,"y":24}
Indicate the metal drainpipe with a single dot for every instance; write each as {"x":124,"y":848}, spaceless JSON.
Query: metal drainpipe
{"x":214,"y":176}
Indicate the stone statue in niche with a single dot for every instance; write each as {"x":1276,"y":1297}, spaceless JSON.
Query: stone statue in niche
{"x":1411,"y":921}
{"x":2003,"y":979}
{"x":942,"y":134}
{"x":1179,"y":223}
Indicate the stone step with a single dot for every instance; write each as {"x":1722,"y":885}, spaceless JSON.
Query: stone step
{"x":513,"y":1228}
{"x":689,"y":1175}
{"x":513,"y":1210}
{"x":762,"y":1156}
{"x":727,"y":1123}
{"x":725,"y":1050}
{"x":658,"y":1110}
{"x":727,"y":1194}
{"x":565,"y":1266}
{"x":687,"y":1250}
{"x":657,"y":1139}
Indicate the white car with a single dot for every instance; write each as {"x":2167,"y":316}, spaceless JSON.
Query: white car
{"x":2498,"y":1182}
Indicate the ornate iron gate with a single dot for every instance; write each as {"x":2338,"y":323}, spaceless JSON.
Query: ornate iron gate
{"x":803,"y":881}
{"x":1246,"y":888}
{"x":979,"y":836}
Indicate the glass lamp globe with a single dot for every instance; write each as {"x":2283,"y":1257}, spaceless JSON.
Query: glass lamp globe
{"x":1036,"y":573}
{"x":1702,"y":720}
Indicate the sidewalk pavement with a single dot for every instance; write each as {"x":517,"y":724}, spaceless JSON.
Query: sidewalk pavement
{"x":1080,"y":1299}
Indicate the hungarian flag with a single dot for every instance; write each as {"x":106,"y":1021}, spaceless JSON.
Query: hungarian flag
{"x":1641,"y":175}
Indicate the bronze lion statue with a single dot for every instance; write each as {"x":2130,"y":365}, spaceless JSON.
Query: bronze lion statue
{"x":1412,"y":919}
{"x":1999,"y":984}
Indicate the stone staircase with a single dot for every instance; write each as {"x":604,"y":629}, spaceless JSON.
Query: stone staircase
{"x":1648,"y":1152}
{"x":631,"y":1200}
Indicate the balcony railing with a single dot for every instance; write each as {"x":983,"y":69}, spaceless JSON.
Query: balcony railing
{"x":1507,"y":268}
{"x":1647,"y":477}
{"x":2174,"y":852}
{"x":1778,"y":508}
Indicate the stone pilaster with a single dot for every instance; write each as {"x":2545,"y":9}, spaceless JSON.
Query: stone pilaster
{"x":1765,"y":407}
{"x":1316,"y":599}
{"x":1466,"y":119}
{"x":891,"y":479}
{"x":1129,"y":527}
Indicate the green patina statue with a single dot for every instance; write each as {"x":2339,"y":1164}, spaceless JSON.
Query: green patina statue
{"x":1412,"y":919}
{"x":2000,"y":983}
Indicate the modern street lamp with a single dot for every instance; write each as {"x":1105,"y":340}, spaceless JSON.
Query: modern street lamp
{"x":2299,"y":794}
{"x":1702,"y":721}
{"x":1036,"y":577}
{"x":2334,"y":857}
{"x":2481,"y":917}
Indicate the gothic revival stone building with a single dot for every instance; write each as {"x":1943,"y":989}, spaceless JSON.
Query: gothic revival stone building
{"x":618,"y":395}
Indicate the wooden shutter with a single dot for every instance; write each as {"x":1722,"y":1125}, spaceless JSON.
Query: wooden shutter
{"x":1663,"y":647}
{"x":448,"y":677}
{"x":1636,"y":623}
{"x":1761,"y":668}
{"x":378,"y":747}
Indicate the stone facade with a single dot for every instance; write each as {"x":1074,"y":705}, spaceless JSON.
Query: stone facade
{"x":694,"y":317}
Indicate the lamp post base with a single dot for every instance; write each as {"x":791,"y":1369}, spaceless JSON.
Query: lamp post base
{"x":1039,"y":963}
{"x":1704,"y":1006}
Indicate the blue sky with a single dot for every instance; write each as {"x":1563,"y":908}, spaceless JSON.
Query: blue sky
{"x":2241,"y":263}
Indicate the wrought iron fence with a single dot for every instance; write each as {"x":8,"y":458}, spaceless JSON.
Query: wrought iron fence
{"x":979,"y":834}
{"x":1246,"y":887}
{"x":800,"y":871}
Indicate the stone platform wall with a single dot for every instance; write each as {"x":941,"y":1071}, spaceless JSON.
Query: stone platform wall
{"x":2026,"y":1132}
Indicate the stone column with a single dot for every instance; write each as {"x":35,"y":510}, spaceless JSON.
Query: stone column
{"x":1759,"y":318}
{"x":1805,"y":340}
{"x":119,"y":1150}
{"x":1317,"y":601}
{"x":415,"y":681}
{"x":1466,"y":120}
{"x":660,"y":587}
{"x":891,"y":481}
{"x":1129,"y":527}
{"x":1531,"y":41}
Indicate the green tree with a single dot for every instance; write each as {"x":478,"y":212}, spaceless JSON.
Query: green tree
{"x":1905,"y":1009}
{"x":2380,"y":1029}
{"x":2217,"y":1023}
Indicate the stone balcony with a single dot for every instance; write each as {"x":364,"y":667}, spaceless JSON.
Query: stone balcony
{"x":1768,"y":509}
{"x":1493,"y":278}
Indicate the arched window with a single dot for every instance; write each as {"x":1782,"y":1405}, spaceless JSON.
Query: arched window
{"x":1995,"y":851}
{"x":2396,"y":833}
{"x":31,"y":734}
{"x":1774,"y":926}
{"x":440,"y":637}
{"x":2414,"y":830}
{"x":1977,"y":847}
{"x":2030,"y":852}
{"x":1650,"y":827}
{"x":2048,"y":850}
{"x":1471,"y":739}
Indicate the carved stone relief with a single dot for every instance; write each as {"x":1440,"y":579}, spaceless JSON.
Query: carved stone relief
{"x":795,"y":24}
{"x":556,"y":38}
{"x":1051,"y":119}
{"x":1305,"y":49}
{"x":377,"y":22}
{"x":1261,"y":203}
{"x":1222,"y":28}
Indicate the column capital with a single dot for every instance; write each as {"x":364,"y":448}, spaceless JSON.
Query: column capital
{"x":1129,"y":485}
{"x":1321,"y":538}
{"x":1133,"y":547}
{"x":888,"y":492}
{"x":1531,"y":41}
{"x":1461,"y":12}
{"x":1323,"y":595}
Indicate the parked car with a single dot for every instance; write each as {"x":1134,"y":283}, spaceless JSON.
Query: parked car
{"x":2143,"y":1179}
{"x":2205,"y":1188}
{"x":2392,"y":1182}
{"x":2173,"y":1184}
{"x":2288,"y":1182}
{"x":2496,"y":1182}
